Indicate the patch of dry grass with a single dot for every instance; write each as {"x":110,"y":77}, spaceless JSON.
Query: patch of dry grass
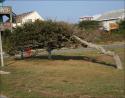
{"x":70,"y":78}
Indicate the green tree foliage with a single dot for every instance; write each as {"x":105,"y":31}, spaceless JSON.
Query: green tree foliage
{"x":122,"y":25}
{"x":87,"y":25}
{"x":43,"y":34}
{"x":6,"y":39}
{"x":121,"y":30}
{"x":47,"y":35}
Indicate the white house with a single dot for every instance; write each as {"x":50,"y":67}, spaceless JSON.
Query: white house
{"x":86,"y":18}
{"x":89,"y":18}
{"x":26,"y":17}
{"x":109,"y":19}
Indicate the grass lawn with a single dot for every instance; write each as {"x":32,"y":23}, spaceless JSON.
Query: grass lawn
{"x":67,"y":76}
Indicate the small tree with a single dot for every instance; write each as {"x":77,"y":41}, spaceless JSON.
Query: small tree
{"x":43,"y":34}
{"x":88,"y":25}
{"x":48,"y":35}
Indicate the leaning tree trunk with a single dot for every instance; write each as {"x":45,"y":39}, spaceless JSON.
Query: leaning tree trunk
{"x":100,"y":48}
{"x":22,"y":55}
{"x":49,"y":53}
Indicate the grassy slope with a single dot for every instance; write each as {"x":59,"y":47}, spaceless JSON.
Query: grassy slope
{"x":40,"y":78}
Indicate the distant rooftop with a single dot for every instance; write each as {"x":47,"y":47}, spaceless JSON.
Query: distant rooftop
{"x":112,"y":15}
{"x":25,"y":14}
{"x":20,"y":16}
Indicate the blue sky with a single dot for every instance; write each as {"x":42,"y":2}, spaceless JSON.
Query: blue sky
{"x":61,"y":10}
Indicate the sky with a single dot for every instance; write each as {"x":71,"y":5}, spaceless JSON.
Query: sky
{"x":65,"y":10}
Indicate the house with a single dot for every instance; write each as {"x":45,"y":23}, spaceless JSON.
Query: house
{"x":89,"y":18}
{"x":14,"y":20}
{"x":109,"y":20}
{"x":86,"y":18}
{"x":26,"y":17}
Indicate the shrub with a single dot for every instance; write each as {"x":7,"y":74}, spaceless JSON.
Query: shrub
{"x":87,"y":25}
{"x":43,"y":34}
{"x":6,"y":39}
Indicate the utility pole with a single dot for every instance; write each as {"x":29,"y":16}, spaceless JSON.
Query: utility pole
{"x":1,"y":51}
{"x":1,"y":23}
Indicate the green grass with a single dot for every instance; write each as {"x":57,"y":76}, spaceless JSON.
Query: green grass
{"x":42,"y":78}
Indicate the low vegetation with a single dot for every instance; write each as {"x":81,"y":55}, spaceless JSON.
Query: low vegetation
{"x":89,"y":25}
{"x":48,"y":35}
{"x":55,"y":35}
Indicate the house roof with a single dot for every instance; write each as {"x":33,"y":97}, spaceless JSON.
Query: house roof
{"x":117,"y":14}
{"x":19,"y":17}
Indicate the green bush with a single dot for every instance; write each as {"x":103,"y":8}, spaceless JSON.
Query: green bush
{"x":122,"y":25}
{"x":6,"y":39}
{"x":43,"y":34}
{"x":121,"y":30}
{"x":87,"y":25}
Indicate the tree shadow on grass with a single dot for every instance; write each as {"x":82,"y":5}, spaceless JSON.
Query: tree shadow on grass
{"x":11,"y":63}
{"x":62,"y":57}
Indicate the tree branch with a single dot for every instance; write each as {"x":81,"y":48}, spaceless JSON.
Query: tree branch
{"x":102,"y":50}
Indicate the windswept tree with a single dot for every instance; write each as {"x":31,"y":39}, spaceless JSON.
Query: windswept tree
{"x":89,"y":24}
{"x":43,"y":34}
{"x":52,"y":35}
